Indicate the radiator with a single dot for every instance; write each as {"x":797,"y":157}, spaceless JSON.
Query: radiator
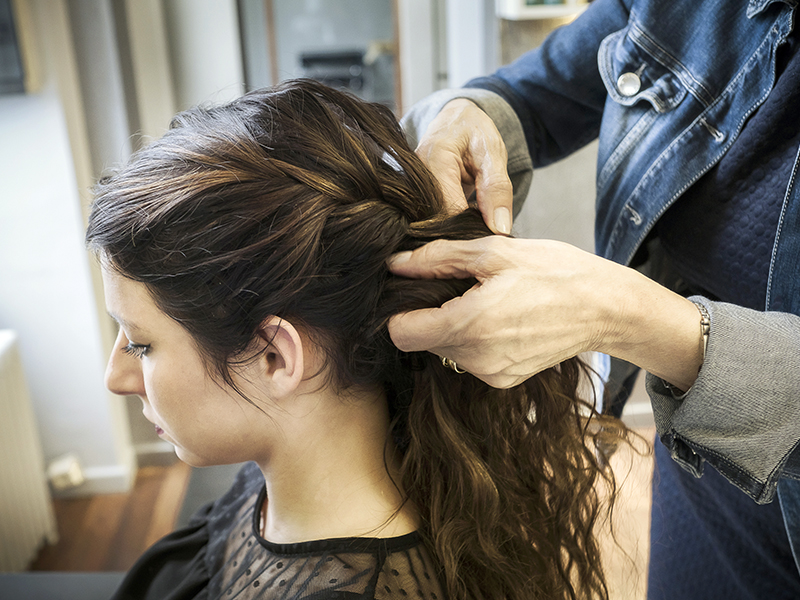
{"x":26,"y":510}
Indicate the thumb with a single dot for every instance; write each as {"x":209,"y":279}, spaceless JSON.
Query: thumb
{"x":493,"y":189}
{"x":446,"y":166}
{"x":495,"y":202}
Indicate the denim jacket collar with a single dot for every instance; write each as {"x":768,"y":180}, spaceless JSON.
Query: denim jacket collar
{"x":758,"y":6}
{"x":691,"y":105}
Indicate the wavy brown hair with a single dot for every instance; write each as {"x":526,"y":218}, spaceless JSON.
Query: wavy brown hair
{"x":289,"y":202}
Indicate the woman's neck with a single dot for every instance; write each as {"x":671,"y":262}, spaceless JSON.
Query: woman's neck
{"x":330,"y":476}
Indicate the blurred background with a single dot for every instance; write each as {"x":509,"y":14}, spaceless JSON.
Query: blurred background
{"x":83,"y":83}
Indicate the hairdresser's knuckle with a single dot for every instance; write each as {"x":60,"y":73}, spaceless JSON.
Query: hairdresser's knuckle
{"x":431,"y":253}
{"x":440,"y":151}
{"x":401,"y":333}
{"x":492,"y":253}
{"x":449,"y":257}
{"x":499,"y":381}
{"x":505,"y":383}
{"x":460,"y":114}
{"x":499,"y":185}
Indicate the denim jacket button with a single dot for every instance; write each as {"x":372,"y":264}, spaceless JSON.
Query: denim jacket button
{"x":629,"y":84}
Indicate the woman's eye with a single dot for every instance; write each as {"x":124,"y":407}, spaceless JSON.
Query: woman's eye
{"x":136,"y":350}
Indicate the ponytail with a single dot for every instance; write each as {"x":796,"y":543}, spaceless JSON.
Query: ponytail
{"x":505,"y":480}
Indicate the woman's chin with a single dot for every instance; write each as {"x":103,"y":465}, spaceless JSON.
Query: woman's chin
{"x":193,"y":460}
{"x":189,"y":458}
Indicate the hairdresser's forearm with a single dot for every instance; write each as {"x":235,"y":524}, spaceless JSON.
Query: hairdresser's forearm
{"x":540,"y":302}
{"x":650,"y":326}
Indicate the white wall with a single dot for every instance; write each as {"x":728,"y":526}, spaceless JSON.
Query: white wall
{"x":560,"y":204}
{"x":467,"y":43}
{"x":45,"y":293}
{"x":46,"y":289}
{"x":205,"y":51}
{"x":417,"y":32}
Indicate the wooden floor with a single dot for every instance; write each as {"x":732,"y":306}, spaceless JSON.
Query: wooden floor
{"x":109,"y":532}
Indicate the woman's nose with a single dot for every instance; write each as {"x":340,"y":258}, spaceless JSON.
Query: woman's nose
{"x":124,"y":372}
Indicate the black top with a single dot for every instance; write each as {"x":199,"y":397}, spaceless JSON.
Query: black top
{"x":221,"y":555}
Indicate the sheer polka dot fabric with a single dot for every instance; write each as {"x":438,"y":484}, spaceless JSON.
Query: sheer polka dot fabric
{"x":384,"y":569}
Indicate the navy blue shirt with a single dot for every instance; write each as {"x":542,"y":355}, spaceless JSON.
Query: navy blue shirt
{"x":721,"y":232}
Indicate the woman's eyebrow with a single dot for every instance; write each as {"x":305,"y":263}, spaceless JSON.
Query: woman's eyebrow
{"x":127,"y":325}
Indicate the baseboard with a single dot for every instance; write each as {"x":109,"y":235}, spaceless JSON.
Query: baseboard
{"x":115,"y":479}
{"x":112,"y":479}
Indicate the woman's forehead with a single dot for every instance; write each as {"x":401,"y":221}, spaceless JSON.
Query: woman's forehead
{"x":128,"y":302}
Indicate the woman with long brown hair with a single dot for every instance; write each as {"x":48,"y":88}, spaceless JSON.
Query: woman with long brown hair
{"x":244,"y":257}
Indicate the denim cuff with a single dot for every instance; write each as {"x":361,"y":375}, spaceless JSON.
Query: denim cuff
{"x":742,"y":415}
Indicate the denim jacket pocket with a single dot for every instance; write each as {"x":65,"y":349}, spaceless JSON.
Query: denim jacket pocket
{"x":633,"y":75}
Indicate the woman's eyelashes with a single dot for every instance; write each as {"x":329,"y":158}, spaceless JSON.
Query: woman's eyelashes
{"x":136,"y":350}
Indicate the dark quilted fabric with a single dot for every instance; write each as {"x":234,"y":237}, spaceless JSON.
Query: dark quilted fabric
{"x":720,"y":233}
{"x":709,"y":541}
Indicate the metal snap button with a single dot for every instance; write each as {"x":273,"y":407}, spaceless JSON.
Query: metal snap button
{"x":629,"y":84}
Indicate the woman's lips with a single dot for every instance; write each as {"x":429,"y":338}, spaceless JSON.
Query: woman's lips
{"x":159,"y":431}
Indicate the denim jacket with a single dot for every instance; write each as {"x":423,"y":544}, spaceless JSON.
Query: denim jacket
{"x":667,"y":86}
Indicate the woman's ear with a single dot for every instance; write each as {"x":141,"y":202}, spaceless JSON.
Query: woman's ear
{"x":283,"y":356}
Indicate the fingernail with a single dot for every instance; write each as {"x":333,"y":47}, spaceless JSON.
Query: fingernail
{"x":399,"y":259}
{"x":502,"y":220}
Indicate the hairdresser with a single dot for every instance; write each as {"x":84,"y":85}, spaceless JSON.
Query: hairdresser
{"x":696,"y":108}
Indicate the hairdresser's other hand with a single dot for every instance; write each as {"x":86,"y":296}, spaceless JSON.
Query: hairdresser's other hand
{"x":539,"y":302}
{"x":466,"y":153}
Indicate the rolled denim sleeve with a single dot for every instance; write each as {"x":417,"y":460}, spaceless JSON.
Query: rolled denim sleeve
{"x":742,"y":415}
{"x":520,"y":167}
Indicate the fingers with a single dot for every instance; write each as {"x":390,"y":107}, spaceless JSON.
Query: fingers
{"x":464,"y":150}
{"x":435,"y":330}
{"x":447,"y":167}
{"x":488,"y":160}
{"x":451,"y":259}
{"x":536,"y":303}
{"x":418,"y":330}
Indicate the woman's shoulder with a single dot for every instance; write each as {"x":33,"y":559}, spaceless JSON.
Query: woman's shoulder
{"x":409,"y":572}
{"x":180,"y":564}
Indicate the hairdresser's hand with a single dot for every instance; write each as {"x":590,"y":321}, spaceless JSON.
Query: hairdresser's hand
{"x":465,"y":152}
{"x":539,"y":302}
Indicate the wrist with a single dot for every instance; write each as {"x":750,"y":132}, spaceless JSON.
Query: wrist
{"x":657,"y":330}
